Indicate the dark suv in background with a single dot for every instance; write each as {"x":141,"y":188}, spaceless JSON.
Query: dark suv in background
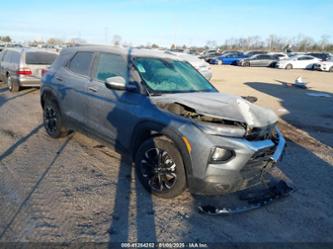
{"x":180,"y":131}
{"x":20,"y":67}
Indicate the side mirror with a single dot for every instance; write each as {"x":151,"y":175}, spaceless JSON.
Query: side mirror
{"x":117,"y":83}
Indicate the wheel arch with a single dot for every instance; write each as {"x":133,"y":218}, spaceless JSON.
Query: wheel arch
{"x":149,"y":129}
{"x":48,"y":94}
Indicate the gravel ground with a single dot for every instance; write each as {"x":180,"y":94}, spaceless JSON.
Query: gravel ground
{"x":75,"y":189}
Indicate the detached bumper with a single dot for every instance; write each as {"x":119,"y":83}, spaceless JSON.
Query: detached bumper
{"x":259,"y":156}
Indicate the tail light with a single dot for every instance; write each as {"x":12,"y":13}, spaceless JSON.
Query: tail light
{"x":24,"y":71}
{"x":44,"y":71}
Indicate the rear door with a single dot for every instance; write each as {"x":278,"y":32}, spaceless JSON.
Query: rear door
{"x":255,"y":61}
{"x":12,"y":62}
{"x":266,"y":60}
{"x":72,"y":81}
{"x":2,"y":57}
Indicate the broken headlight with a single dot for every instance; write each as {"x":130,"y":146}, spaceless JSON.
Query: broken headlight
{"x":222,"y":129}
{"x":221,"y":155}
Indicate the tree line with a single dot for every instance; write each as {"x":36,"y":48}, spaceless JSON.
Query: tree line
{"x":278,"y":43}
{"x":272,"y":42}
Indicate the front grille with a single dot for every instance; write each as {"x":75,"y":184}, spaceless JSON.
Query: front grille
{"x":252,"y":172}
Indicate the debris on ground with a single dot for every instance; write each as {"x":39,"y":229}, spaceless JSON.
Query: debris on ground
{"x":300,"y":83}
{"x":252,"y":199}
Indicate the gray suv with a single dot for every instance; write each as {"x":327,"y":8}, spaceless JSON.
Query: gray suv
{"x":180,"y":131}
{"x":20,"y":67}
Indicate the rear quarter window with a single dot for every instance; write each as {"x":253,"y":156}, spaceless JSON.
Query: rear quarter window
{"x":39,"y":58}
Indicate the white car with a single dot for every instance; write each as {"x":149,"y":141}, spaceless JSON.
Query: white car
{"x":325,"y":66}
{"x":298,"y":61}
{"x":280,"y":55}
{"x":199,"y":64}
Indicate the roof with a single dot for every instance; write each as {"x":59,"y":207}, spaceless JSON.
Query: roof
{"x":20,"y":50}
{"x":136,"y":52}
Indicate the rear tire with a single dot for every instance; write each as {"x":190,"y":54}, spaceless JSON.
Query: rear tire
{"x":289,"y":66}
{"x":52,"y":119}
{"x":160,"y":168}
{"x":13,"y":86}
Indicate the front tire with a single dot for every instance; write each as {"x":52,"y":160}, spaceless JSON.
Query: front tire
{"x":13,"y":86}
{"x":160,"y":168}
{"x":53,"y":121}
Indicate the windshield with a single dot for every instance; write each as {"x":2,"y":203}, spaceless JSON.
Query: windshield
{"x":171,"y":76}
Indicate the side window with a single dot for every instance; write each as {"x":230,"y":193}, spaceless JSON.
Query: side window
{"x":15,"y":58}
{"x":7,"y":56}
{"x":110,"y":65}
{"x":2,"y":55}
{"x":80,"y":63}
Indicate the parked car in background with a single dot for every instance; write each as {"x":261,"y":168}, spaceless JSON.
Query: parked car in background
{"x":228,"y":58}
{"x":21,"y":67}
{"x":259,"y":60}
{"x":325,"y":65}
{"x":279,"y":55}
{"x":230,"y":51}
{"x":180,"y":131}
{"x":199,"y":64}
{"x":208,"y":55}
{"x":254,"y":52}
{"x":321,"y":55}
{"x":298,"y":61}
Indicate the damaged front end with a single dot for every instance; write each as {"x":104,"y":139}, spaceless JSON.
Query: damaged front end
{"x":244,"y":135}
{"x":214,"y":125}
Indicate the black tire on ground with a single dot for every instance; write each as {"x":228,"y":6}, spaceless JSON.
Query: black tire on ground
{"x":13,"y":86}
{"x":331,"y":69}
{"x":289,"y":66}
{"x":52,"y":119}
{"x":159,"y":167}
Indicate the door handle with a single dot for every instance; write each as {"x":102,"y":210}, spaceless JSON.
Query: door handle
{"x":92,"y":89}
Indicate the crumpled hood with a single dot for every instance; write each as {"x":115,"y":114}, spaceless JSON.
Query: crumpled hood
{"x":224,"y":106}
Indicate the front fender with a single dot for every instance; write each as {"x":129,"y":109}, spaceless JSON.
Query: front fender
{"x":147,"y":128}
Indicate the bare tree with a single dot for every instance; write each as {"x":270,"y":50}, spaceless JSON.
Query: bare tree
{"x":55,"y":41}
{"x":5,"y":38}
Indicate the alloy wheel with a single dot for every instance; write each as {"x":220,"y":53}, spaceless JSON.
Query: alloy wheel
{"x":158,"y":169}
{"x":50,"y":119}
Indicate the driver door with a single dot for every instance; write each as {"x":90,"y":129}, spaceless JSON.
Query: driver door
{"x":112,"y":113}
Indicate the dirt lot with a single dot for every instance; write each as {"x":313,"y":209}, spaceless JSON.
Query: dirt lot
{"x":73,"y":189}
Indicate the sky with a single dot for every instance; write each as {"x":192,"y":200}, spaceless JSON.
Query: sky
{"x":139,"y":22}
